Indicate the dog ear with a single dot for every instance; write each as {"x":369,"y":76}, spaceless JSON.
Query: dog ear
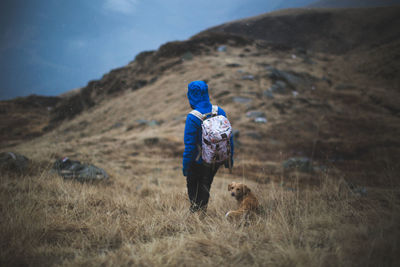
{"x":246,"y":190}
{"x":230,"y":186}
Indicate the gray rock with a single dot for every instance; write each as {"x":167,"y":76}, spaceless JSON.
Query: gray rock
{"x":13,"y":162}
{"x":117,"y":125}
{"x":255,"y":114}
{"x":218,"y":75}
{"x":281,"y":84}
{"x":248,"y":77}
{"x":221,"y":48}
{"x":130,"y":128}
{"x":233,"y":65}
{"x":292,"y":79}
{"x":268,"y":94}
{"x":279,"y":87}
{"x":153,"y":123}
{"x":72,"y":169}
{"x":260,"y":120}
{"x":242,"y":100}
{"x":142,"y":122}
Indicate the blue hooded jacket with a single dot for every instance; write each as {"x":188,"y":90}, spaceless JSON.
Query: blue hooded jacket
{"x":200,"y":101}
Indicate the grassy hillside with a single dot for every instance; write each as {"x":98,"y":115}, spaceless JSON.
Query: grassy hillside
{"x":339,"y":112}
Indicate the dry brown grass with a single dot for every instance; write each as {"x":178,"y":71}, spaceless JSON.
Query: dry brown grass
{"x":144,"y":220}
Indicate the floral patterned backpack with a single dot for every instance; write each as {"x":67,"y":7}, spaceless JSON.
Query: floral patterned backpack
{"x":216,"y":134}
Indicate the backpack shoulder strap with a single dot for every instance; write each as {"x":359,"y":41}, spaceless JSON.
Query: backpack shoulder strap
{"x":214,"y":110}
{"x":197,"y":114}
{"x":200,"y":116}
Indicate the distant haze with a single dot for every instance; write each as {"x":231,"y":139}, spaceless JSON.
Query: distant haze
{"x":48,"y":47}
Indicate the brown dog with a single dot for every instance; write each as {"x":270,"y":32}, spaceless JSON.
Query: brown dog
{"x":248,"y":203}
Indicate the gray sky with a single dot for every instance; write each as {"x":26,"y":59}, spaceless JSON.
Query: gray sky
{"x":51,"y":46}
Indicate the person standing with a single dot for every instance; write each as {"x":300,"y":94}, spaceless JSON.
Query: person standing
{"x":199,"y":176}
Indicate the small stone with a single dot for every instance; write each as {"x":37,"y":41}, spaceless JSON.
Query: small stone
{"x":117,"y":125}
{"x":260,"y":120}
{"x":292,"y":79}
{"x":248,"y":77}
{"x":255,"y":114}
{"x":233,"y":65}
{"x":242,"y":100}
{"x":268,"y":93}
{"x":221,"y":48}
{"x":153,"y":123}
{"x":279,"y":87}
{"x":141,"y":122}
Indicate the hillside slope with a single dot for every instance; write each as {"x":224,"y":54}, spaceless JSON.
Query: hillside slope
{"x":25,"y":118}
{"x":325,"y":30}
{"x":371,"y":35}
{"x":328,"y":107}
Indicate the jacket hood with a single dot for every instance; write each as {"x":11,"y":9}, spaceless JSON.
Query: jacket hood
{"x":198,"y":95}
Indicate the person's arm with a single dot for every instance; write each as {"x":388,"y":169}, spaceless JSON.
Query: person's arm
{"x":190,"y":139}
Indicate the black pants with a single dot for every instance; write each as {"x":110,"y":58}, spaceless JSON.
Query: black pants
{"x":199,"y":180}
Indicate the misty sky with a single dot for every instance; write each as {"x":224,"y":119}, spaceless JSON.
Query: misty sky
{"x":51,"y":46}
